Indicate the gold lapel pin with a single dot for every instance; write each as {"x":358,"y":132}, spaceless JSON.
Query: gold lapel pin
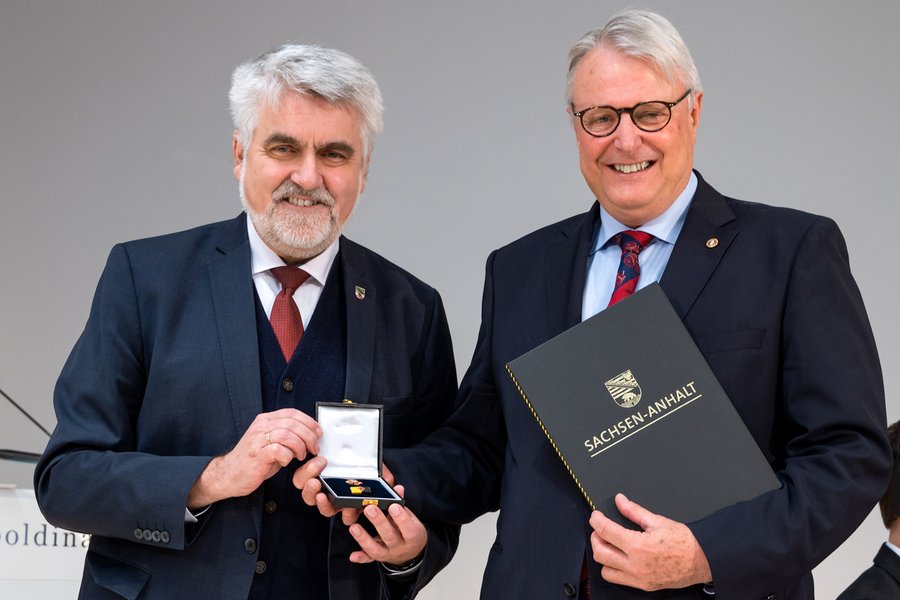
{"x":712,"y":243}
{"x":360,"y":292}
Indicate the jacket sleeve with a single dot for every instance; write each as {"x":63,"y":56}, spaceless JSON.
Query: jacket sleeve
{"x":435,"y":391}
{"x":91,"y":478}
{"x":830,"y":446}
{"x":454,"y":475}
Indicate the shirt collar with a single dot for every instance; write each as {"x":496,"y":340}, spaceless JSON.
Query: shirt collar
{"x":263,"y":258}
{"x":665,"y":228}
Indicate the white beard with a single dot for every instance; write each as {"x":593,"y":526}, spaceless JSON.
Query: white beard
{"x":294,"y":236}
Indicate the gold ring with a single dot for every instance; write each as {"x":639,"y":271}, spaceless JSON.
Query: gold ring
{"x":268,"y":438}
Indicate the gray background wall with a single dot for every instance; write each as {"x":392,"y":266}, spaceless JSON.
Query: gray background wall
{"x":114,"y":125}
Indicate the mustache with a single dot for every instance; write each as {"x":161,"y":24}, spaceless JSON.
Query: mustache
{"x":290,"y":189}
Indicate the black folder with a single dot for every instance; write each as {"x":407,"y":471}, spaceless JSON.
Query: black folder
{"x":630,"y":405}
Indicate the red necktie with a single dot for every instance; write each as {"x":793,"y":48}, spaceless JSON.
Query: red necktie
{"x":631,"y":243}
{"x":285,"y":317}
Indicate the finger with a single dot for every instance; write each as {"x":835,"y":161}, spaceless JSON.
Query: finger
{"x":310,"y":491}
{"x":636,"y":513}
{"x":360,"y":557}
{"x":387,"y":475}
{"x":369,"y":545}
{"x":406,"y":522}
{"x":617,"y":576}
{"x":610,"y":531}
{"x":388,"y":533}
{"x":265,"y":425}
{"x":605,"y":553}
{"x":324,"y":505}
{"x":308,"y":472}
{"x":276,"y":453}
{"x":349,"y":516}
{"x":401,"y":491}
{"x":292,"y":414}
{"x":290,"y":433}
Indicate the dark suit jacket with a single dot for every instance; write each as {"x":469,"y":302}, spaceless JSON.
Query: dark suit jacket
{"x":881,"y":581}
{"x":775,"y":311}
{"x":166,"y":376}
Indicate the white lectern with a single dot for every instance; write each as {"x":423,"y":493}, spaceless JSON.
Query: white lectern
{"x":37,"y":560}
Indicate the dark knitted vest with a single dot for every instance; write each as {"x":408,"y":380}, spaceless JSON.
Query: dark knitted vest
{"x":293,"y":546}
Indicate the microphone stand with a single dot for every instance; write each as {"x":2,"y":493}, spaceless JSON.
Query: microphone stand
{"x":20,"y":455}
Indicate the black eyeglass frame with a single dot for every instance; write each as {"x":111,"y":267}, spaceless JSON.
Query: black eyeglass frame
{"x":630,"y":111}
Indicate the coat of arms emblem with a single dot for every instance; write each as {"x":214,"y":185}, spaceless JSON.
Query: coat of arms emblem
{"x":624,"y":389}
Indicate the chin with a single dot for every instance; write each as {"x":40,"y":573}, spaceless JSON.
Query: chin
{"x":303,"y":245}
{"x":293,"y":237}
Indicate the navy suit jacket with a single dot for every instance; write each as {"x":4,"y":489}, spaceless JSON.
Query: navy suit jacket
{"x":881,"y":581}
{"x":166,"y":376}
{"x":776,"y":313}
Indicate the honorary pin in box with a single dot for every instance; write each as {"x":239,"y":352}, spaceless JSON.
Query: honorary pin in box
{"x":351,"y":443}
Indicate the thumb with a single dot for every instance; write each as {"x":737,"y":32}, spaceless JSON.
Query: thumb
{"x":309,"y":470}
{"x":636,"y":513}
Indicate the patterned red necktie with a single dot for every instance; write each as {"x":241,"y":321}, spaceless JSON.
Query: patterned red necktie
{"x":285,"y":317}
{"x":631,"y":243}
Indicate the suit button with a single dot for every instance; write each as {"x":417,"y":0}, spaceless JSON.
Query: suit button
{"x":287,"y":384}
{"x":770,"y":597}
{"x":569,"y":590}
{"x":155,"y":536}
{"x":271,"y":507}
{"x":139,"y":533}
{"x":250,"y":545}
{"x":164,"y":537}
{"x":147,"y":535}
{"x":260,"y":566}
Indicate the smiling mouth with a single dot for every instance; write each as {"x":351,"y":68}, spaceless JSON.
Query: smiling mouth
{"x":302,"y":201}
{"x":633,"y":168}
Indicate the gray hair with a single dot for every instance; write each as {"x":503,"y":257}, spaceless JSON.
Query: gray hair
{"x":643,"y":35}
{"x":332,"y":75}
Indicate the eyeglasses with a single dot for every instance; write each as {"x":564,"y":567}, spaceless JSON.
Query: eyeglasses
{"x":601,"y":121}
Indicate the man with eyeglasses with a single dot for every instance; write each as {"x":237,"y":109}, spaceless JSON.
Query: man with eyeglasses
{"x":768,"y":297}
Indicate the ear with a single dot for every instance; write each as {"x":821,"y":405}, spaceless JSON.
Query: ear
{"x":364,"y":172}
{"x":238,"y":151}
{"x":573,"y":120}
{"x":695,"y":110}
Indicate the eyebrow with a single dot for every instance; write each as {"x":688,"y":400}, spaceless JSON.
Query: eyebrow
{"x":342,"y":147}
{"x":283,"y":138}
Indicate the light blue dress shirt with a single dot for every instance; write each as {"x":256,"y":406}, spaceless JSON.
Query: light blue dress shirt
{"x":605,"y":255}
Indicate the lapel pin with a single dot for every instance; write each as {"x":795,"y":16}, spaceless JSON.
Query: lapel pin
{"x":361,"y":291}
{"x":710,"y":243}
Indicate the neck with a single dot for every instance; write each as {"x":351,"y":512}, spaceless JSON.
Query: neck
{"x":894,"y":536}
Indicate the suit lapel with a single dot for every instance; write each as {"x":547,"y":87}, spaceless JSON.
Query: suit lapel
{"x":708,"y":231}
{"x":359,"y":295}
{"x":231,"y":284}
{"x":565,"y":265}
{"x":889,"y":561}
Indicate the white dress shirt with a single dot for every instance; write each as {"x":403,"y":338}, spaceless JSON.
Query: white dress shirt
{"x":263,"y":258}
{"x":603,"y":262}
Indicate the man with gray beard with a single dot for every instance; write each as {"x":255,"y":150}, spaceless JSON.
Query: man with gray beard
{"x":187,"y":404}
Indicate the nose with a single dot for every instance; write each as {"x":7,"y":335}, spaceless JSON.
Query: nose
{"x":627,"y":136}
{"x":306,"y":173}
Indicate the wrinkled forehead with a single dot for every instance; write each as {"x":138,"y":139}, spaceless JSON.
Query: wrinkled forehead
{"x":605,"y":59}
{"x":607,"y":71}
{"x":338,"y":112}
